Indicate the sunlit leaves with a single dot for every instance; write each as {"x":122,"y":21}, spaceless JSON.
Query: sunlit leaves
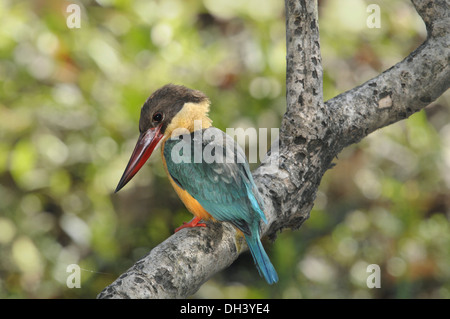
{"x":69,"y":107}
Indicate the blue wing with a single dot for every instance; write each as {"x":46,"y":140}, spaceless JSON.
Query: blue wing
{"x":213,"y":169}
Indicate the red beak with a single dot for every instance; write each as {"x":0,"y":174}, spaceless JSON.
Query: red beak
{"x":144,"y":148}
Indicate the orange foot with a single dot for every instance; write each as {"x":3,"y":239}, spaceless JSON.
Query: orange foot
{"x":193,"y":223}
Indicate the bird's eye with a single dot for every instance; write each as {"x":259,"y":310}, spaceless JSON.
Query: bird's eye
{"x":157,"y":117}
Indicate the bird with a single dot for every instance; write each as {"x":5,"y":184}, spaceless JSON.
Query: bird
{"x":206,"y":167}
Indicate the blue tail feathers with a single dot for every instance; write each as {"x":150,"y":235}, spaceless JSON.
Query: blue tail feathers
{"x":261,"y":259}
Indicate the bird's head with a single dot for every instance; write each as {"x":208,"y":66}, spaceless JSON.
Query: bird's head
{"x":169,"y":108}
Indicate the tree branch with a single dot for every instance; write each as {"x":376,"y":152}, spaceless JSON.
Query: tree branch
{"x":402,"y":90}
{"x":311,"y":135}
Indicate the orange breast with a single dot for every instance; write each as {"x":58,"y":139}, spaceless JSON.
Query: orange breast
{"x":190,"y":202}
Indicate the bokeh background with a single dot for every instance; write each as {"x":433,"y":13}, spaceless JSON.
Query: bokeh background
{"x":69,"y":108}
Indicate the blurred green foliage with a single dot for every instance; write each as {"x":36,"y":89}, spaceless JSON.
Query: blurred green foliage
{"x":69,"y":108}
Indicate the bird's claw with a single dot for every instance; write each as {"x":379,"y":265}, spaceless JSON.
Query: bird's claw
{"x":193,"y":223}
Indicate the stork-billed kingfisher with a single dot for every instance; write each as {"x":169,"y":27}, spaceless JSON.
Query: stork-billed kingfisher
{"x":206,"y":167}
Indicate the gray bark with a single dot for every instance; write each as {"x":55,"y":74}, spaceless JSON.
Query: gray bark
{"x":312,"y":134}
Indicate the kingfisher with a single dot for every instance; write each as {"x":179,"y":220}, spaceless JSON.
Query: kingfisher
{"x":206,"y":167}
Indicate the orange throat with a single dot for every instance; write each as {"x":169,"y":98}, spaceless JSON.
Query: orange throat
{"x":190,"y":202}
